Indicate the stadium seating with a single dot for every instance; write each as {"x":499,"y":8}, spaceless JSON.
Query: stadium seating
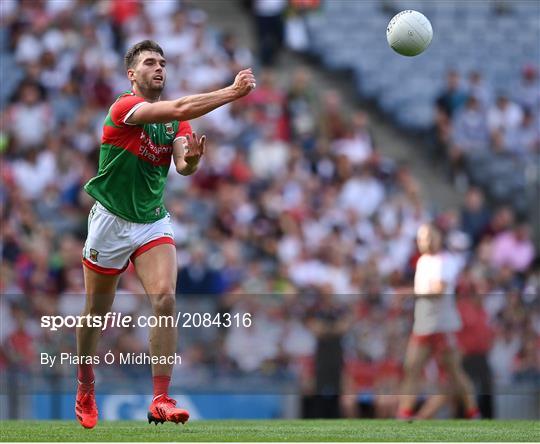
{"x":349,"y":35}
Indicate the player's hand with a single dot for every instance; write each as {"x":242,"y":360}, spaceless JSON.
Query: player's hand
{"x":194,"y":149}
{"x":244,"y":82}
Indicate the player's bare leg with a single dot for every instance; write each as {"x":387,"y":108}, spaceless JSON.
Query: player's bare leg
{"x":415,"y":359}
{"x":432,"y":405}
{"x":348,"y":406}
{"x":451,"y":361}
{"x":386,"y":405}
{"x":348,"y":398}
{"x":100,"y":290}
{"x":156,"y":269}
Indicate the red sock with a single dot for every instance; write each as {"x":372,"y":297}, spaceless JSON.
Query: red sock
{"x":85,"y":373}
{"x":161,"y":385}
{"x":405,"y":413}
{"x":473,"y":413}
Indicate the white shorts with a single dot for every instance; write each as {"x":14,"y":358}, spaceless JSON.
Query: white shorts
{"x":113,"y":241}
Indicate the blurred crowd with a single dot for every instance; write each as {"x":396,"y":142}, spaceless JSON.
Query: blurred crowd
{"x":294,"y":216}
{"x":473,"y":119}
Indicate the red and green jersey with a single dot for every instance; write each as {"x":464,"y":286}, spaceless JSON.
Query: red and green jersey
{"x":133,"y":163}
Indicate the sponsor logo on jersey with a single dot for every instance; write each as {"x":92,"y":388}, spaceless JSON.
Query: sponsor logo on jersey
{"x":169,"y":128}
{"x":152,"y":152}
{"x":94,"y":255}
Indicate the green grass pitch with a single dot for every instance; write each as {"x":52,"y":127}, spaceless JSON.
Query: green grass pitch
{"x":275,"y":430}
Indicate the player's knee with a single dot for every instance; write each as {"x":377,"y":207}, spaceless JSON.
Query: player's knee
{"x":164,"y":302}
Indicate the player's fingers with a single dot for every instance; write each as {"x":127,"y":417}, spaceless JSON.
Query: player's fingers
{"x":200,"y":145}
{"x":240,"y":75}
{"x":247,"y":82}
{"x":194,"y":143}
{"x":203,"y":144}
{"x":246,"y":74}
{"x":197,"y":147}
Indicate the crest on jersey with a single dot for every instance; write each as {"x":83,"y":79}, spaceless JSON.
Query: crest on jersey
{"x":93,"y":255}
{"x":169,"y":128}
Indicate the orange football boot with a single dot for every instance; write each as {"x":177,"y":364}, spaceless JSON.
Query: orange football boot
{"x":164,"y":409}
{"x":85,"y":406}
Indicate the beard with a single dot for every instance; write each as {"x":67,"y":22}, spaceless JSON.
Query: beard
{"x":150,"y":87}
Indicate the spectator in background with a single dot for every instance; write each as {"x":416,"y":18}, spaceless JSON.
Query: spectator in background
{"x":302,"y":109}
{"x":362,"y":183}
{"x":531,"y":289}
{"x":178,"y":39}
{"x":502,"y":220}
{"x":513,"y":248}
{"x":329,"y":321}
{"x":297,"y":30}
{"x":451,"y":99}
{"x":475,"y":340}
{"x":504,"y":116}
{"x":254,"y":348}
{"x":332,"y":119}
{"x":470,"y":133}
{"x":197,"y":277}
{"x":475,"y":215}
{"x":478,"y":89}
{"x":27,"y":44}
{"x":34,"y":172}
{"x":19,"y":344}
{"x":506,"y":346}
{"x":53,"y":76}
{"x":232,"y":270}
{"x":268,"y":104}
{"x":527,"y":93}
{"x":237,"y":56}
{"x":268,"y":155}
{"x":29,"y":117}
{"x":358,"y":145}
{"x":269,"y":27}
{"x":527,"y":362}
{"x":523,"y":141}
{"x":67,"y":102}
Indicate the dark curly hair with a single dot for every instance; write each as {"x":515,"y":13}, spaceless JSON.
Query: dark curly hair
{"x":130,"y":58}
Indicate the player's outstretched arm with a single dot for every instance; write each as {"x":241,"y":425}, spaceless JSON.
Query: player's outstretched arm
{"x":191,"y":107}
